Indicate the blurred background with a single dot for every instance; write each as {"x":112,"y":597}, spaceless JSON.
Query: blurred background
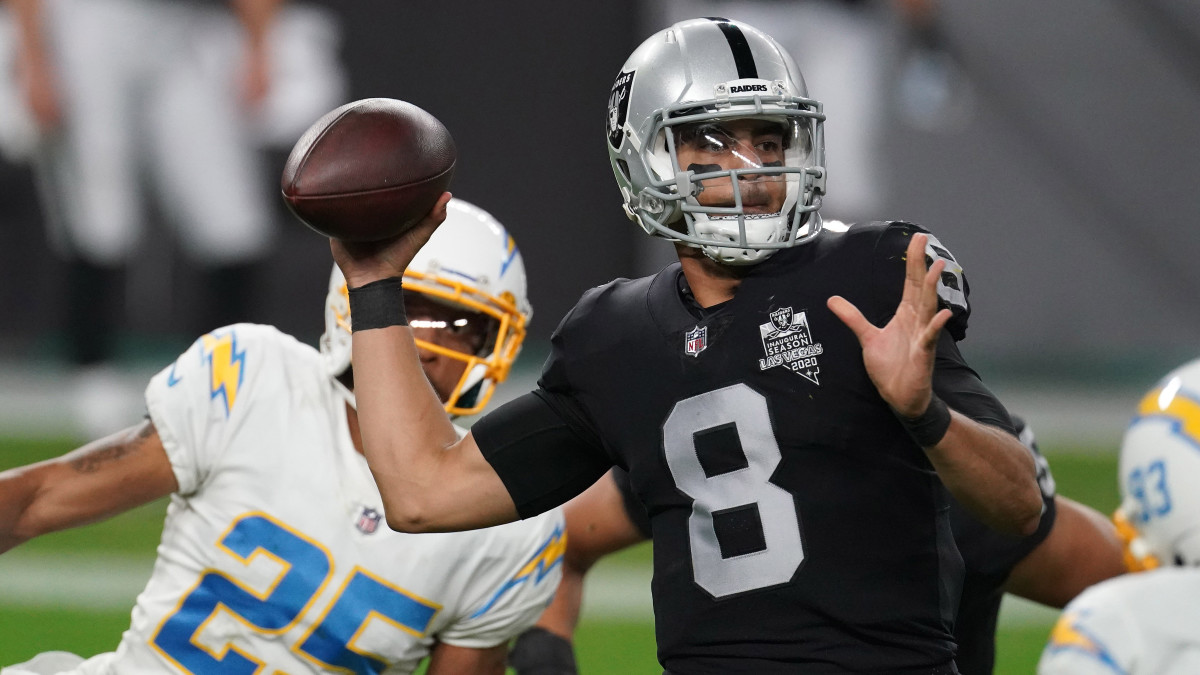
{"x":1051,"y":146}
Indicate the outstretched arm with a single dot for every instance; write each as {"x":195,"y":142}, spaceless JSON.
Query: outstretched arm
{"x":35,"y":70}
{"x":986,"y":469}
{"x":256,"y":17}
{"x":1082,"y":549}
{"x":99,"y":480}
{"x":428,"y":478}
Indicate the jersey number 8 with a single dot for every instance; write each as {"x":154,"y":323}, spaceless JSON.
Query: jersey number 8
{"x":742,"y":493}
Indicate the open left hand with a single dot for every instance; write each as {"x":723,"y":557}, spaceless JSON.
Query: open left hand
{"x":364,"y":262}
{"x":899,"y":357}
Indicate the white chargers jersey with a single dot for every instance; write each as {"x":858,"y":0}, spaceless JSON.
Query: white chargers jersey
{"x":275,"y":557}
{"x":1146,"y":623}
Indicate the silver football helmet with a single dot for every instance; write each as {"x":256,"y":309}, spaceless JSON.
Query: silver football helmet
{"x":470,"y":263}
{"x":1160,"y":472}
{"x":701,"y":75}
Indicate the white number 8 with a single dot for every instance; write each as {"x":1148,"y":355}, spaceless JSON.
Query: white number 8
{"x":747,"y":410}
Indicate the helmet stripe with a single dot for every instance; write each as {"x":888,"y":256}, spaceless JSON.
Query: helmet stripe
{"x":1170,"y":403}
{"x":746,"y":68}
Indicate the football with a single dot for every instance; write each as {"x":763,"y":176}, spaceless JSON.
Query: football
{"x":368,"y":170}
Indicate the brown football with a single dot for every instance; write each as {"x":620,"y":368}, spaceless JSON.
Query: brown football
{"x":368,"y":170}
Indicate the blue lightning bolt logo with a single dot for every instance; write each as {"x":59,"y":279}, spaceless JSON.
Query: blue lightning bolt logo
{"x":549,"y":555}
{"x":226,"y":367}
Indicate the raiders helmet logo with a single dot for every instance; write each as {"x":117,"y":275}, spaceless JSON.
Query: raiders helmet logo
{"x":782,"y":318}
{"x":618,"y":107}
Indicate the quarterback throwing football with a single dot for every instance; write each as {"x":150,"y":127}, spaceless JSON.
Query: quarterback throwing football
{"x":792,"y":455}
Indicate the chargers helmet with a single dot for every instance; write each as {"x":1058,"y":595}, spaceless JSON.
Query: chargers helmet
{"x":1160,"y":472}
{"x":471,"y":263}
{"x":707,"y":70}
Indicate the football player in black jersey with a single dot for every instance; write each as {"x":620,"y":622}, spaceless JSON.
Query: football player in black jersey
{"x":1074,"y":547}
{"x":787,"y":404}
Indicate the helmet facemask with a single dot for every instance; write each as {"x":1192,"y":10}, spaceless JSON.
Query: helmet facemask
{"x":496,"y":342}
{"x":739,"y":156}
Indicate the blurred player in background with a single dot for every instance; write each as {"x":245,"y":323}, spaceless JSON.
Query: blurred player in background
{"x":274,"y":553}
{"x":1147,"y":623}
{"x":149,"y":109}
{"x":1074,"y":547}
{"x":792,"y":456}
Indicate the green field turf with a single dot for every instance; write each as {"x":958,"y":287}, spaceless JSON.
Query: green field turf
{"x":606,"y":645}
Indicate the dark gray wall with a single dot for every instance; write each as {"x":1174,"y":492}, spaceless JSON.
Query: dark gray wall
{"x":1072,"y":195}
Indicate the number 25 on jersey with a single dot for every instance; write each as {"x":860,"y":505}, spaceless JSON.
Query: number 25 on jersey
{"x":306,"y":568}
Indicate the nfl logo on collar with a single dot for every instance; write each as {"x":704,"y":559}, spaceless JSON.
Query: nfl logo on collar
{"x":695,"y":341}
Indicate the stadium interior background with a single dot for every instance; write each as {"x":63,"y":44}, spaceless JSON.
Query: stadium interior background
{"x":1064,"y":180}
{"x":1063,"y":177}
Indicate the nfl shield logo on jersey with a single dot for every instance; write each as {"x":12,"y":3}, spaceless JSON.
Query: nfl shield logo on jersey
{"x":695,"y":341}
{"x":368,"y":520}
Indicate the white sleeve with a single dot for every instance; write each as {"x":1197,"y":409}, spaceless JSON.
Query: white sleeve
{"x":502,"y":611}
{"x":1093,"y":636}
{"x":190,"y":402}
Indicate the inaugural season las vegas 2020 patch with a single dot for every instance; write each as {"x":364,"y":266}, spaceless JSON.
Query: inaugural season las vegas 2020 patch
{"x":788,"y":342}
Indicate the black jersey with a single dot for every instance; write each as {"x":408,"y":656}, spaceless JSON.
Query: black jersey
{"x":988,"y":558}
{"x":796,"y":524}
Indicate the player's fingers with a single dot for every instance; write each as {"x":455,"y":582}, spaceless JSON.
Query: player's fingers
{"x":364,"y":262}
{"x":914,"y":268}
{"x":929,"y":294}
{"x":849,"y":314}
{"x":933,"y":329}
{"x":423,"y":230}
{"x":436,"y":215}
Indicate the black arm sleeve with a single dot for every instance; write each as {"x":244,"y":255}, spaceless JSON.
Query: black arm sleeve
{"x":633,"y":507}
{"x":960,"y":387}
{"x":537,"y":651}
{"x":542,"y":452}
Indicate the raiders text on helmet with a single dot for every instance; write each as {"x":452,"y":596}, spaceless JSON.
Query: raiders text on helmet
{"x":705,"y":74}
{"x":470,"y":263}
